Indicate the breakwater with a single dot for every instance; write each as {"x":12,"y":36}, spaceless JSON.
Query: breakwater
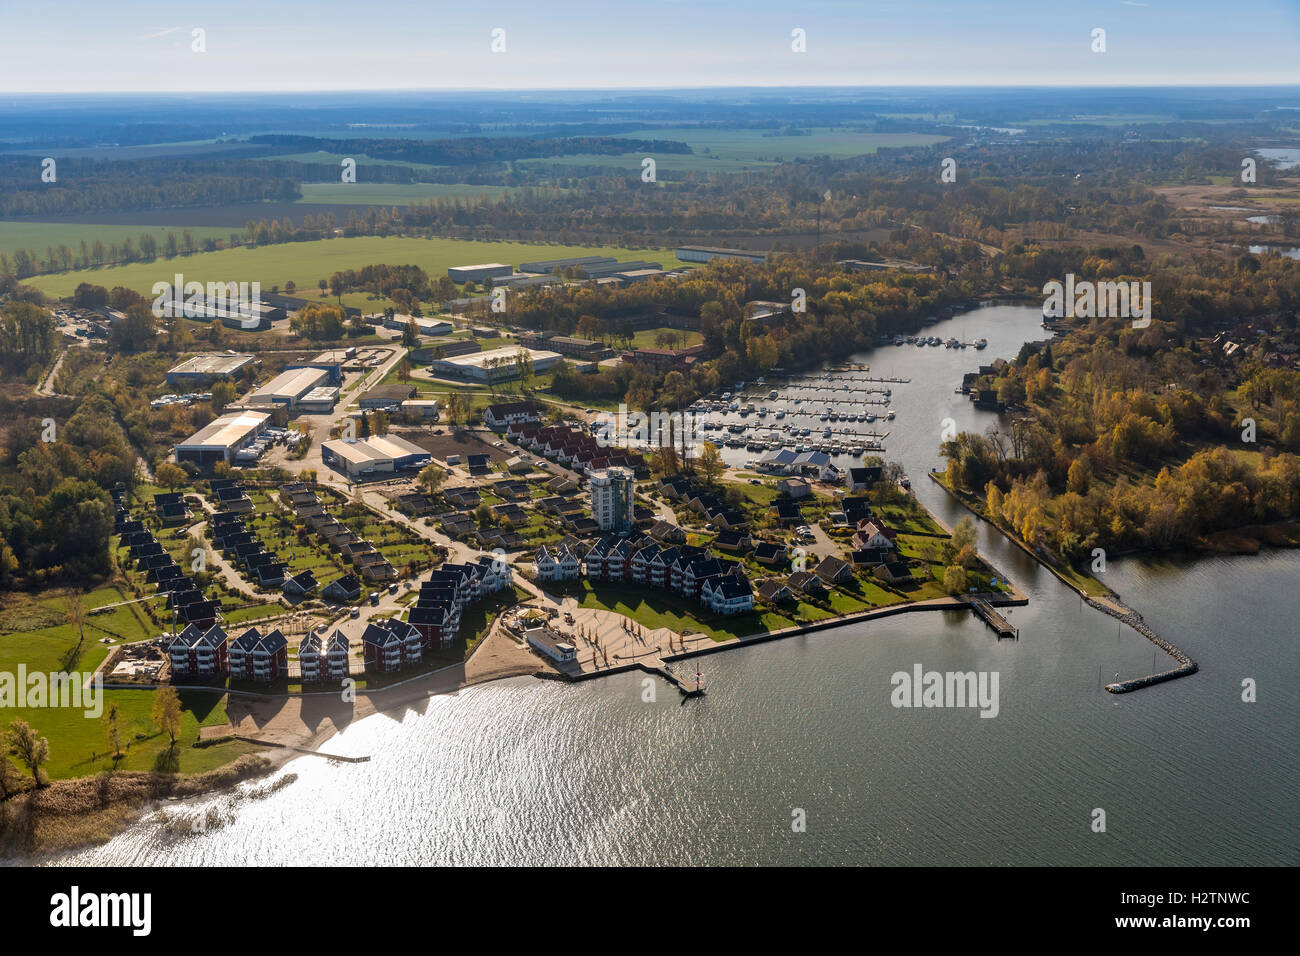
{"x":1112,"y":606}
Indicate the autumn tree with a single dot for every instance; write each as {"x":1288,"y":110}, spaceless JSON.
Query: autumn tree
{"x":709,"y":462}
{"x":170,"y":476}
{"x":166,"y":712}
{"x":32,"y":749}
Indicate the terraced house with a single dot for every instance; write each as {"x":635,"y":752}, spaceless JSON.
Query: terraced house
{"x":199,"y":652}
{"x":256,"y":656}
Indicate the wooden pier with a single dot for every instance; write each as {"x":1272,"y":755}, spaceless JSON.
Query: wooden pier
{"x":993,"y":618}
{"x":687,"y":688}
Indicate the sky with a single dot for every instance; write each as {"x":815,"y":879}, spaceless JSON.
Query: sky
{"x":128,"y":45}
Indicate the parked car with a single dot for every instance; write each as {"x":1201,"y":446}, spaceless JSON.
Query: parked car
{"x":392,"y":588}
{"x":374,"y":597}
{"x":355,"y":612}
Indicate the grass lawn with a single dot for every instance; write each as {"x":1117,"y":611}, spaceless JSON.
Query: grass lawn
{"x":79,"y":744}
{"x":307,"y":262}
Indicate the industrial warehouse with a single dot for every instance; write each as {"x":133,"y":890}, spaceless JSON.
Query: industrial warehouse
{"x":379,"y":454}
{"x":208,"y":368}
{"x":298,"y":389}
{"x":494,"y":365}
{"x":222,"y":438}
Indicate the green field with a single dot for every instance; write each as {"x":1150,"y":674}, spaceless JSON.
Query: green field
{"x":396,"y":194}
{"x":725,"y":150}
{"x":38,"y":236}
{"x":34,"y":633}
{"x":307,"y":262}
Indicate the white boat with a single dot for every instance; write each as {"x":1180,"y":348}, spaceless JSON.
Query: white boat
{"x":889,"y":415}
{"x":981,"y":343}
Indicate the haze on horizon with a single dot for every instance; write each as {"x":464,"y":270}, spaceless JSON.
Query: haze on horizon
{"x":297,"y":45}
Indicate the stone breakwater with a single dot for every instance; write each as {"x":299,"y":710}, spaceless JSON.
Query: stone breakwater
{"x":1134,"y":620}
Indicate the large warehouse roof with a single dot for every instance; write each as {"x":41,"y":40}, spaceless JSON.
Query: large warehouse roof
{"x":508,"y":352}
{"x":290,"y":385}
{"x":226,"y":431}
{"x":214,"y":364}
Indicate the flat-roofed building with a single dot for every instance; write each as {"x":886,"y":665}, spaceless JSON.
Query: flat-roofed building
{"x":639,"y":275}
{"x":423,"y":324}
{"x":386,"y":396}
{"x":555,"y":265}
{"x":477,"y":273}
{"x":378,"y":454}
{"x":222,"y":438}
{"x":208,"y":368}
{"x":289,"y":387}
{"x":494,"y":365}
{"x":319,"y":401}
{"x":706,"y":253}
{"x":603,"y":269}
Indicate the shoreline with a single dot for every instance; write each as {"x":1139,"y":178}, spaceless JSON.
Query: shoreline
{"x":1110,"y":604}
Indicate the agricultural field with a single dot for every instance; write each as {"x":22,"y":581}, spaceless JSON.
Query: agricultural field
{"x":305,"y":263}
{"x":39,"y":236}
{"x":727,"y":151}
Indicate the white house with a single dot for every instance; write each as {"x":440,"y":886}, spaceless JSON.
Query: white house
{"x":727,"y":594}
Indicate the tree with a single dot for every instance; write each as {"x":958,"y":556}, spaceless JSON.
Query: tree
{"x":954,"y":579}
{"x":169,"y":476}
{"x":457,"y":410}
{"x":223,"y":393}
{"x":113,"y":728}
{"x":77,"y":618}
{"x":710,"y":462}
{"x":430,"y":478}
{"x":33,"y":750}
{"x":166,"y":711}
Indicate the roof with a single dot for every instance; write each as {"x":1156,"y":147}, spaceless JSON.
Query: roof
{"x":211,"y":364}
{"x":292,"y":383}
{"x":731,"y":586}
{"x":396,"y":393}
{"x":512,"y":408}
{"x":226,"y":431}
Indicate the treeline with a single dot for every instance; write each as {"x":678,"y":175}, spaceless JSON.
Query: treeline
{"x":64,"y":258}
{"x":470,"y":150}
{"x":27,"y":336}
{"x":55,"y":512}
{"x":1123,"y":441}
{"x":91,"y":186}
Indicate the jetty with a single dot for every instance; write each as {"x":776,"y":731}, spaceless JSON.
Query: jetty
{"x":993,"y":618}
{"x":687,"y":688}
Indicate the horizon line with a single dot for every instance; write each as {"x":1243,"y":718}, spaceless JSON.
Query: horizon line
{"x":685,"y":87}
